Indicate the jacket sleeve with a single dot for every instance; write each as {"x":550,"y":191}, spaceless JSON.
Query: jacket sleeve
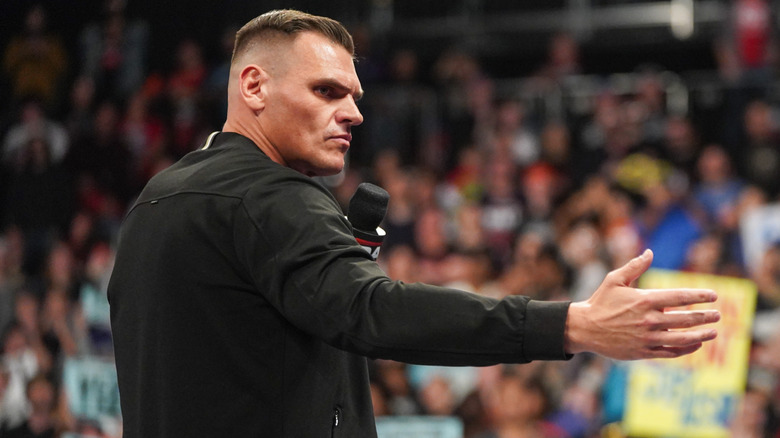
{"x":297,"y":247}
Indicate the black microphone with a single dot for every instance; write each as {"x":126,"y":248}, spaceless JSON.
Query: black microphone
{"x":367,"y":208}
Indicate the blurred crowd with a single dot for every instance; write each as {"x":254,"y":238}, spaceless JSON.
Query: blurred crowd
{"x":488,"y":194}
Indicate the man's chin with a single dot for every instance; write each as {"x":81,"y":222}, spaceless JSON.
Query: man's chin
{"x":328,"y":172}
{"x":324,"y":171}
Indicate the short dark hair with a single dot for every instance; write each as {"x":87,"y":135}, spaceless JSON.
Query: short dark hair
{"x":290,"y":22}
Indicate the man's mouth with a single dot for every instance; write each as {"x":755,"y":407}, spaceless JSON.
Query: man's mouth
{"x":344,"y":139}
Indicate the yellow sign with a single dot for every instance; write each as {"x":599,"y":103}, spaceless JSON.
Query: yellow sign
{"x":694,"y":395}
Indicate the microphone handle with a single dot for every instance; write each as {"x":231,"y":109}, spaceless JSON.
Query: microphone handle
{"x":371,"y":242}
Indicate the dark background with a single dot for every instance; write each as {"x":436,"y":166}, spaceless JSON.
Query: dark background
{"x":467,"y":23}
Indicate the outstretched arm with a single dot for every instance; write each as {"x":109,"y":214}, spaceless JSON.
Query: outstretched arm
{"x":622,"y":322}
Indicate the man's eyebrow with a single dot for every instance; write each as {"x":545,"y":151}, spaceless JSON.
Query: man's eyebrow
{"x":335,"y":83}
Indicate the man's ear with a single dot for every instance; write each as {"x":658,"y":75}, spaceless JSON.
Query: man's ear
{"x":251,"y":83}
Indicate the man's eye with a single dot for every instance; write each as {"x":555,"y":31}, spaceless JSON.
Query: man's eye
{"x":323,"y":91}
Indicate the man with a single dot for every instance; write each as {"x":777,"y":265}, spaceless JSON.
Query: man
{"x":242,"y":305}
{"x":40,"y":421}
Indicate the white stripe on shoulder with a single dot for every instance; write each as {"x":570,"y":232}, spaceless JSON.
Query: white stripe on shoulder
{"x":209,"y":140}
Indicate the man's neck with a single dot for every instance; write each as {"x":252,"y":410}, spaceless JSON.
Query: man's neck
{"x":250,"y":131}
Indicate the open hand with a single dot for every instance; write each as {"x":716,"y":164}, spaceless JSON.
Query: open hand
{"x":622,"y":322}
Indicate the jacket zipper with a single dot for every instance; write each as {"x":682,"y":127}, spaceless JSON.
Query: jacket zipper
{"x":337,"y":418}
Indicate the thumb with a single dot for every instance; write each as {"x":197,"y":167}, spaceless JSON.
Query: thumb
{"x":637,"y":266}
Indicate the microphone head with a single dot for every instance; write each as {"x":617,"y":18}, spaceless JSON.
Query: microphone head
{"x":367,"y":207}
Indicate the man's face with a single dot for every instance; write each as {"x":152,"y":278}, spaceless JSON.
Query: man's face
{"x":311,"y":105}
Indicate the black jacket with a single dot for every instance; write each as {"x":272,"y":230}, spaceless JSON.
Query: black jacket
{"x":242,"y":306}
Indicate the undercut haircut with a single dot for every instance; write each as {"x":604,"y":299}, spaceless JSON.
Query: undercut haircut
{"x":289,"y":22}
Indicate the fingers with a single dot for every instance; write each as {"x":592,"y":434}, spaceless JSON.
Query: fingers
{"x":664,"y":298}
{"x":686,"y":319}
{"x":665,"y":342}
{"x":681,"y":339}
{"x":634,"y":268}
{"x":671,"y":352}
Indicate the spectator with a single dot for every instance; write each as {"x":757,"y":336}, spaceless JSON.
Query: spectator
{"x":401,"y":263}
{"x":86,"y":428}
{"x":100,"y":164}
{"x":34,"y":125}
{"x":519,"y":407}
{"x":747,"y":51}
{"x":596,"y":138}
{"x":185,"y":91}
{"x":651,"y":102}
{"x":667,"y":226}
{"x":666,"y":221}
{"x":58,"y":327}
{"x":81,"y":234}
{"x":760,"y":156}
{"x":36,"y":61}
{"x":39,"y":201}
{"x":563,"y":59}
{"x":81,"y":111}
{"x":4,"y":380}
{"x":502,"y":210}
{"x":470,"y":235}
{"x":541,"y":186}
{"x":718,"y":188}
{"x":401,"y":398}
{"x":582,"y":247}
{"x":750,"y":420}
{"x":40,"y":421}
{"x":379,"y":399}
{"x":767,"y":278}
{"x":400,"y":217}
{"x":466,"y":178}
{"x":552,"y":278}
{"x":456,"y":75}
{"x":746,"y":54}
{"x":12,"y":268}
{"x":512,"y":135}
{"x":93,"y":316}
{"x":6,"y":288}
{"x":706,"y":255}
{"x":469,"y":270}
{"x":27,"y":315}
{"x":433,"y":245}
{"x":622,"y":237}
{"x":681,"y":144}
{"x":403,"y":113}
{"x":146,"y":137}
{"x":20,"y":364}
{"x":215,"y":87}
{"x":436,"y":397}
{"x":556,"y":148}
{"x":113,"y":52}
{"x":578,"y":409}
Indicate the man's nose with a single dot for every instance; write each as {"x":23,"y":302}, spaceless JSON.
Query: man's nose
{"x":349,"y":113}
